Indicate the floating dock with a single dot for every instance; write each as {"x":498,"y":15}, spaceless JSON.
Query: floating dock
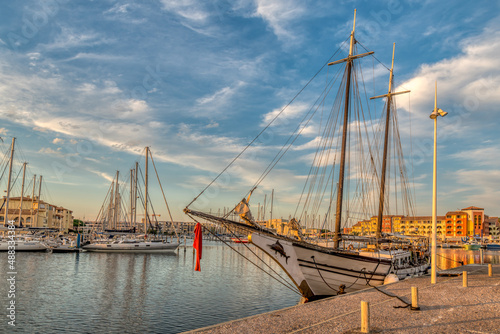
{"x":445,"y":307}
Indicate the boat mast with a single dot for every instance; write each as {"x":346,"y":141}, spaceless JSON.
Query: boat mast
{"x":22,"y":193}
{"x":38,"y":200}
{"x":389,"y":95}
{"x":33,"y":199}
{"x":272,"y":202}
{"x":146,"y":194}
{"x":115,"y":211}
{"x":6,"y":217}
{"x":340,"y":189}
{"x":131,"y":194}
{"x":135,"y":192}
{"x":109,"y":222}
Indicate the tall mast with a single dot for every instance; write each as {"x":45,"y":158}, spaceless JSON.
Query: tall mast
{"x":6,"y":217}
{"x":135,"y":191}
{"x":22,"y":193}
{"x":39,"y":200}
{"x":389,"y":95}
{"x":115,"y":210}
{"x":131,"y":194}
{"x":340,"y":189}
{"x":146,"y":194}
{"x":264,"y":208}
{"x":109,"y":222}
{"x":33,"y":200}
{"x":272,"y":202}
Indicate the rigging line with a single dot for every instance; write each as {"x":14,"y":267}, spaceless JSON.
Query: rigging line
{"x":16,"y":178}
{"x":227,"y":227}
{"x":266,"y":127}
{"x":246,"y":258}
{"x":328,"y":132}
{"x":372,"y":55}
{"x":102,"y":208}
{"x":163,"y":193}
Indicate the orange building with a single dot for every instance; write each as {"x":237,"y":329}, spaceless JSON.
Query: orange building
{"x":475,"y":220}
{"x":456,"y":224}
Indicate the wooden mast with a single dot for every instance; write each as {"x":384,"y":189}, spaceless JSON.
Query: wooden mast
{"x":6,"y":217}
{"x":389,"y":95}
{"x":340,"y":187}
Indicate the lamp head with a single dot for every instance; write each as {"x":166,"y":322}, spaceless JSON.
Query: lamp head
{"x":438,"y":112}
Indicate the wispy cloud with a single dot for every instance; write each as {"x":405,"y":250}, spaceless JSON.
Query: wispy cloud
{"x":280,"y":16}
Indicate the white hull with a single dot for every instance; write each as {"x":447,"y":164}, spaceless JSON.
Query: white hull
{"x":321,"y":274}
{"x":24,"y":246}
{"x":138,"y":247}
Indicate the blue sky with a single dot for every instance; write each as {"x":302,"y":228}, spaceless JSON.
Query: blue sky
{"x":86,"y":85}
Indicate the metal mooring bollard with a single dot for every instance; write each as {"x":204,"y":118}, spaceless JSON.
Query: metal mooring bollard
{"x":465,"y":282}
{"x":365,"y":317}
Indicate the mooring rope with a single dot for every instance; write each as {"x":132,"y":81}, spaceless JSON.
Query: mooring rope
{"x":394,"y":296}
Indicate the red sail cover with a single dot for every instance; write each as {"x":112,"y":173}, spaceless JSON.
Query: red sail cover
{"x":197,"y":245}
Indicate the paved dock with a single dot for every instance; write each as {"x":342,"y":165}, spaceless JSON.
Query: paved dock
{"x":445,"y":307}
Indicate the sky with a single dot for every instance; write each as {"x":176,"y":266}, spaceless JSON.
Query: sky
{"x":86,"y":85}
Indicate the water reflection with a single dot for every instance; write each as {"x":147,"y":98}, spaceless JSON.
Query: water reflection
{"x":451,"y":257}
{"x":146,"y":293}
{"x":153,"y":293}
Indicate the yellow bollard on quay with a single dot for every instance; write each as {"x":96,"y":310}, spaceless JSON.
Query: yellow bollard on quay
{"x":365,"y":317}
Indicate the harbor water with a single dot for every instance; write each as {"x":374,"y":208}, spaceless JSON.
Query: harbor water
{"x":152,"y":293}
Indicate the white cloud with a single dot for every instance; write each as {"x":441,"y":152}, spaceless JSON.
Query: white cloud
{"x":105,"y":176}
{"x":468,"y":87}
{"x":482,"y":187}
{"x":481,"y":156}
{"x":217,"y":102}
{"x":290,"y":113}
{"x":58,"y":141}
{"x":191,"y":10}
{"x":50,"y":151}
{"x":280,"y":15}
{"x":212,"y":125}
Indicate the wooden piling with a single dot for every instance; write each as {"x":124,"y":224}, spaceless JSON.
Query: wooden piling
{"x":414,"y":297}
{"x":465,"y":281}
{"x":365,"y":317}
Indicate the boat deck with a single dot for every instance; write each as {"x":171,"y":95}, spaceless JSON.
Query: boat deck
{"x":445,"y":307}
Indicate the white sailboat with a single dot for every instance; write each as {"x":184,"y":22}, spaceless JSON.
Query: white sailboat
{"x":319,"y":271}
{"x":140,"y":244}
{"x":23,"y":244}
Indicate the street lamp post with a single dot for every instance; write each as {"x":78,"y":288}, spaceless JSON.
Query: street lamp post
{"x":434,"y":115}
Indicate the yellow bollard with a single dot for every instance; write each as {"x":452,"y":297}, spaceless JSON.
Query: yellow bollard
{"x":490,"y":270}
{"x":465,"y":282}
{"x":365,"y":317}
{"x":414,"y":297}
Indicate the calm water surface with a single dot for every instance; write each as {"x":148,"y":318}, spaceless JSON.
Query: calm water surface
{"x":150,"y":293}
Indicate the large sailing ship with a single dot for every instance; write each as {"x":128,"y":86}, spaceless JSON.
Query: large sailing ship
{"x":317,"y":270}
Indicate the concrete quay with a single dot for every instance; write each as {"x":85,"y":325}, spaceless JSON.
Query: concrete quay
{"x":445,"y":307}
